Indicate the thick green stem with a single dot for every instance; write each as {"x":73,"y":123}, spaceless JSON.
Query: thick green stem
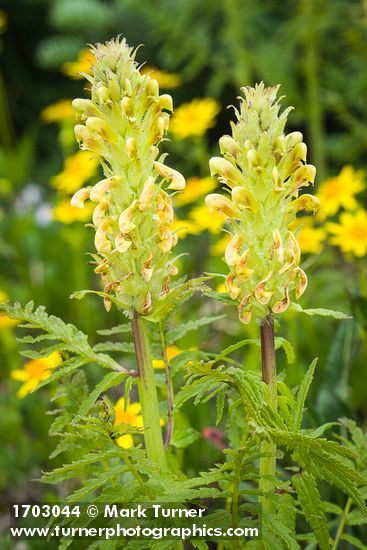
{"x":269,"y":376}
{"x":148,"y":393}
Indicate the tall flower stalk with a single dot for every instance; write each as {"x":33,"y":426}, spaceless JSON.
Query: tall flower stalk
{"x":263,"y":170}
{"x":122,"y":125}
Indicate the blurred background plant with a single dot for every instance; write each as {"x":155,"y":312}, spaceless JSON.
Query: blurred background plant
{"x":201,"y":52}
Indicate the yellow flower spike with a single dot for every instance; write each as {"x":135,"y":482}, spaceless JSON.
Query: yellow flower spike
{"x":304,"y":202}
{"x":177,"y":180}
{"x":243,"y":199}
{"x":303,"y":280}
{"x":218,"y":203}
{"x":123,"y":123}
{"x":231,"y":288}
{"x":226,"y":171}
{"x":79,"y":198}
{"x":265,"y":168}
{"x":232,"y":250}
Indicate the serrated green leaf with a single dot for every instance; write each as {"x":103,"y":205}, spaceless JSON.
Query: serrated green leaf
{"x":319,"y":311}
{"x":122,"y":347}
{"x":184,"y":438}
{"x":80,"y":294}
{"x":221,"y":396}
{"x":310,"y":501}
{"x":301,"y":397}
{"x":184,"y":328}
{"x":109,"y":381}
{"x":354,"y":541}
{"x":119,"y":329}
{"x":175,"y":298}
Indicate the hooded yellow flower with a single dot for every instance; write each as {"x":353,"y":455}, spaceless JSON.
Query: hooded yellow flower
{"x":83,"y":64}
{"x":78,"y":169}
{"x":335,"y":193}
{"x":130,"y":416}
{"x":64,"y":212}
{"x":350,"y":235}
{"x":309,"y":237}
{"x":164,"y":79}
{"x":59,"y":111}
{"x":194,"y":118}
{"x":195,"y":188}
{"x":34,"y":372}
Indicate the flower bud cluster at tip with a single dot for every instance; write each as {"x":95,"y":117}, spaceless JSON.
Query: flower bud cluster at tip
{"x":262,"y":169}
{"x":122,"y":125}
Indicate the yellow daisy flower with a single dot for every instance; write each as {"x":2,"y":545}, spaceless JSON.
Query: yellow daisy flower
{"x":310,"y":237}
{"x":131,"y":416}
{"x":83,"y":64}
{"x":211,"y":221}
{"x":340,"y":191}
{"x":350,"y":234}
{"x":194,"y":118}
{"x":171,"y":352}
{"x":164,"y":79}
{"x":195,"y":188}
{"x":59,"y":111}
{"x":65,"y":213}
{"x":78,"y":169}
{"x":5,"y":320}
{"x":34,"y":372}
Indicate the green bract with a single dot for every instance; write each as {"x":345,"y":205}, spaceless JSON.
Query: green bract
{"x":122,"y":124}
{"x":263,"y":170}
